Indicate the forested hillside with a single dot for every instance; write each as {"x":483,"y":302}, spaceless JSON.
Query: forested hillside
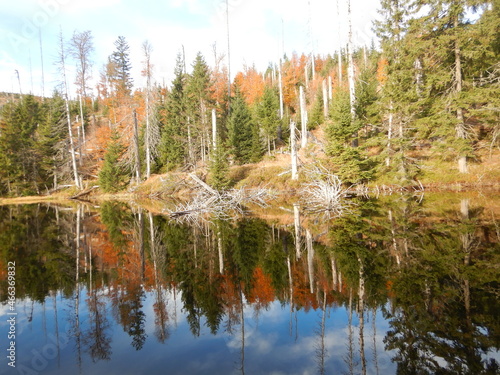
{"x":423,"y":98}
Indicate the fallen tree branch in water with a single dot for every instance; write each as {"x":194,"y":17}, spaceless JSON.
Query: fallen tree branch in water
{"x":209,"y":202}
{"x":325,"y":194}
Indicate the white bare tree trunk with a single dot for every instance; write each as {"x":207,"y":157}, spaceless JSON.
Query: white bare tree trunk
{"x":340,"y":48}
{"x":330,"y":89}
{"x":303,"y":118}
{"x":350,"y":62}
{"x":293,"y":151}
{"x":389,"y":136}
{"x":190,"y":142}
{"x":147,"y":72}
{"x":281,"y":91}
{"x":72,"y":146}
{"x":325,"y":99}
{"x":83,"y":124}
{"x":136,"y":150}
{"x":62,"y":69}
{"x":214,"y":129}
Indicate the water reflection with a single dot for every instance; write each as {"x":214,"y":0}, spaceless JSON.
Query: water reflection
{"x":398,"y":286}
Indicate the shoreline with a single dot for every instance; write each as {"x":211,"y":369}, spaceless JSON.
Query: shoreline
{"x":283,"y":194}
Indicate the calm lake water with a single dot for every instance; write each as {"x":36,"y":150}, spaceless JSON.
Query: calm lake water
{"x":401,"y":285}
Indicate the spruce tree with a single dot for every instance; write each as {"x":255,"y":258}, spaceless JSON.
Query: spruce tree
{"x":350,"y":163}
{"x":19,"y":169}
{"x":121,"y":63}
{"x":317,"y":115}
{"x":198,"y":104}
{"x":243,"y":132}
{"x":402,"y":94}
{"x":112,"y":174}
{"x":173,"y":144}
{"x":219,"y":167}
{"x":446,"y":37}
{"x":268,"y":115}
{"x":50,"y":141}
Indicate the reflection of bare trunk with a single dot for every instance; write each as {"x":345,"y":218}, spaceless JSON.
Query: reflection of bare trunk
{"x":467,"y":240}
{"x":57,"y":329}
{"x":350,"y":340}
{"x":361,"y":306}
{"x":310,"y":259}
{"x":161,"y":315}
{"x":141,"y":243}
{"x":393,"y":235}
{"x":195,"y":246}
{"x":219,"y":248}
{"x":296,"y":214}
{"x":321,"y":351}
{"x":242,"y":317}
{"x":374,"y":329}
{"x":77,"y":331}
{"x":335,"y":276}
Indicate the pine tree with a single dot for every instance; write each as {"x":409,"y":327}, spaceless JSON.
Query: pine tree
{"x":112,"y":174}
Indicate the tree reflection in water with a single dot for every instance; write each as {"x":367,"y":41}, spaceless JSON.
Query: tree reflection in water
{"x":429,"y":270}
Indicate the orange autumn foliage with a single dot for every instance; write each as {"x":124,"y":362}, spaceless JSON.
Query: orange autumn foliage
{"x":382,"y":66}
{"x":251,"y":84}
{"x":219,"y":87}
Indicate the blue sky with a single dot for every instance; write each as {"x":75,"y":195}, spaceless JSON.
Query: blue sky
{"x":259,"y":29}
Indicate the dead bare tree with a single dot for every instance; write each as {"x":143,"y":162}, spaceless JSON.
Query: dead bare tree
{"x":209,"y":202}
{"x":152,"y":136}
{"x":61,"y":66}
{"x":80,"y":48}
{"x":325,"y":193}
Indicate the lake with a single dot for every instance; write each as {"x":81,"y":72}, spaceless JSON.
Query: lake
{"x":400,"y":284}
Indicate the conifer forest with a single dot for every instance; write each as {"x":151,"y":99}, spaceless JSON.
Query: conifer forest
{"x":419,"y":105}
